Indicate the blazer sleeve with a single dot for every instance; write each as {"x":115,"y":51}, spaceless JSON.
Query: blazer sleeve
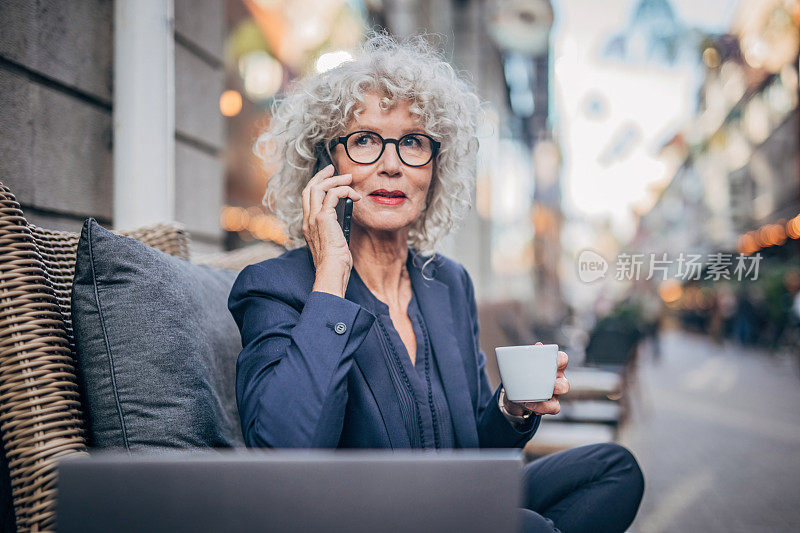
{"x":494,"y":429}
{"x":291,"y":375}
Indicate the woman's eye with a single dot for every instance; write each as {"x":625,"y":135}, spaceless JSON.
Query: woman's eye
{"x":412,"y":142}
{"x":365,"y":140}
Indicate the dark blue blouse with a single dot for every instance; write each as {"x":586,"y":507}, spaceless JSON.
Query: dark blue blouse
{"x":420,"y":393}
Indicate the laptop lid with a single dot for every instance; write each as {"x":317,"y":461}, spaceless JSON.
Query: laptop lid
{"x":292,"y":491}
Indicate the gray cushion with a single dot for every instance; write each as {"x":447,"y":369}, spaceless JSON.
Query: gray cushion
{"x":156,"y":346}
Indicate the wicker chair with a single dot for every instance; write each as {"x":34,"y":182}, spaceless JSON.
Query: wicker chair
{"x":41,"y":413}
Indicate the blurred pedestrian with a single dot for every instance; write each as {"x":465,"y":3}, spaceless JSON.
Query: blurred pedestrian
{"x":745,"y":317}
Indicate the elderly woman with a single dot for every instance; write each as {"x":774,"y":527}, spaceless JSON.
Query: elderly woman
{"x":375,"y":344}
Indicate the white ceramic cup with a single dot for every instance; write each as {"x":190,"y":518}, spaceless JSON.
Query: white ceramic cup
{"x":528,"y":372}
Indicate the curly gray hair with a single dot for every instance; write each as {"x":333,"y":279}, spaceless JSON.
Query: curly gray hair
{"x":321,"y":107}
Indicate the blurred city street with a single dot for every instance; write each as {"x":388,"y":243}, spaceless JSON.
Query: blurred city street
{"x":716,"y":431}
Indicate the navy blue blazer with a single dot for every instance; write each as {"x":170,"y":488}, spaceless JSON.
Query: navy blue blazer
{"x":311,"y":373}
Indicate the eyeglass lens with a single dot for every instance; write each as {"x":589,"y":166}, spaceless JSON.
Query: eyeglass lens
{"x":365,"y":148}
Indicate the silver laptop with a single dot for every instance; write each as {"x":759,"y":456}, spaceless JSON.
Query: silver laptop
{"x":292,"y":491}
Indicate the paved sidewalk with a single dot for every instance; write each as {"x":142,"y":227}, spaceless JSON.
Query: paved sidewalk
{"x":716,"y":429}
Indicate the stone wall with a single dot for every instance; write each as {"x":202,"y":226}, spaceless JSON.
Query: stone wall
{"x":199,"y":135}
{"x":56,"y":101}
{"x":55,"y":104}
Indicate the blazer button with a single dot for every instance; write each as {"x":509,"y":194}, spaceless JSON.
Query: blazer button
{"x":340,"y":328}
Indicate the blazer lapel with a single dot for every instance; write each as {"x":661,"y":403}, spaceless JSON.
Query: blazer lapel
{"x":433,"y":297}
{"x":370,"y":360}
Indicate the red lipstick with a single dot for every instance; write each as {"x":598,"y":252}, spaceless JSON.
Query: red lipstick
{"x":382,"y":196}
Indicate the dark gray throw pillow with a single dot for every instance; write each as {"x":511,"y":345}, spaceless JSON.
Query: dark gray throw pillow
{"x":156,"y":346}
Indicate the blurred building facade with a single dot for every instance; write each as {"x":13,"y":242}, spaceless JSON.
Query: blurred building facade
{"x":57,"y":99}
{"x":737,"y":160}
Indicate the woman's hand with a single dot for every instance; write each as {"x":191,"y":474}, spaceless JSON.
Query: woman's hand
{"x":332,"y":258}
{"x":547,"y":407}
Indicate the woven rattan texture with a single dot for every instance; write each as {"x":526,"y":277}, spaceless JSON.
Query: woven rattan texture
{"x":57,"y":252}
{"x":41,"y":416}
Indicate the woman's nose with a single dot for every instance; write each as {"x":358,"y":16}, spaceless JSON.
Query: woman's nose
{"x":390,"y":160}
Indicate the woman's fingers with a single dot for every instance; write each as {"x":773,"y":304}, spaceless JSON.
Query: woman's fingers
{"x":334,"y":194}
{"x":305,"y":195}
{"x":319,"y":190}
{"x":561,"y":386}
{"x":316,"y":178}
{"x":547,"y":407}
{"x":323,"y":235}
{"x":563,"y":359}
{"x":326,"y":172}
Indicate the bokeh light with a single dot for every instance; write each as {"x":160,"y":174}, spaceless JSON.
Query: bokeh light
{"x":230,"y":103}
{"x":332,"y":60}
{"x":262,"y":74}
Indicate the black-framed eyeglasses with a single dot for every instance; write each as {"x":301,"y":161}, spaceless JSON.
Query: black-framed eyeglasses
{"x":365,"y":147}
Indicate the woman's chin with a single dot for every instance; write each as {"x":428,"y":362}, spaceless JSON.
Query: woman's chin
{"x":386,"y":223}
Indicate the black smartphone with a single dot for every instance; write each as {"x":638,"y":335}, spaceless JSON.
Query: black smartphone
{"x":344,"y":208}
